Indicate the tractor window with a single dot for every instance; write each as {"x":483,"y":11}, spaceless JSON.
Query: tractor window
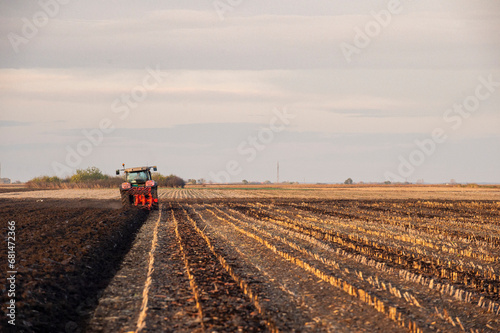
{"x":137,"y":177}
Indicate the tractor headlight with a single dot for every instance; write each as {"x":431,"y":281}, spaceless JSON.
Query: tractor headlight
{"x":150,"y":183}
{"x":126,"y":186}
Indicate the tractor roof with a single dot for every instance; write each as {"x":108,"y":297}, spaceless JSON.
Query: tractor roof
{"x":138,"y":169}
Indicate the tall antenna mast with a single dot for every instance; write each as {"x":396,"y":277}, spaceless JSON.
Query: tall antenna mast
{"x":278,"y":178}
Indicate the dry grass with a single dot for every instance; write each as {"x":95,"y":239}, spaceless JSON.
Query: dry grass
{"x":95,"y":184}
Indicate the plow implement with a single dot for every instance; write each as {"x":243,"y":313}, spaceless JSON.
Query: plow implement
{"x":143,"y":197}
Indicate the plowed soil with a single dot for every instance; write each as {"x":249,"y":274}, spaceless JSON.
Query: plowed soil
{"x":67,"y":252}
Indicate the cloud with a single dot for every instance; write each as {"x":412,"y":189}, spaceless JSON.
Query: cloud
{"x":7,"y":123}
{"x":367,"y":113}
{"x":195,"y":39}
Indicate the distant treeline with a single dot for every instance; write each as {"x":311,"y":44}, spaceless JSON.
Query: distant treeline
{"x":168,"y":181}
{"x":92,"y":177}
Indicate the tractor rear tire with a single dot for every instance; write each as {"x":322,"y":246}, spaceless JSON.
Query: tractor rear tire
{"x":125,"y":199}
{"x":154,"y":195}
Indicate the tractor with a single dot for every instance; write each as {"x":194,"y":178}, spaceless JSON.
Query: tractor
{"x":139,"y":190}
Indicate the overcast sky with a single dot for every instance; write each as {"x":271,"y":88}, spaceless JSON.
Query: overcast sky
{"x":360,"y":86}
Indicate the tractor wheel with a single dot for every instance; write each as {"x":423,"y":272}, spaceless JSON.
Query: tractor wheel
{"x":125,"y":199}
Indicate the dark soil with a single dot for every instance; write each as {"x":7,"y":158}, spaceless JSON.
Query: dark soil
{"x":66,"y":254}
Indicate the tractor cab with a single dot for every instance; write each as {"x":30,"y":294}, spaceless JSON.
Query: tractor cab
{"x":138,"y":177}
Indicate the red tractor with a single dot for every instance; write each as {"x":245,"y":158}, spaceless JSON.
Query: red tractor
{"x":139,"y":190}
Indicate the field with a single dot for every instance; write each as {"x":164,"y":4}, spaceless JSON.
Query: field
{"x":228,"y":259}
